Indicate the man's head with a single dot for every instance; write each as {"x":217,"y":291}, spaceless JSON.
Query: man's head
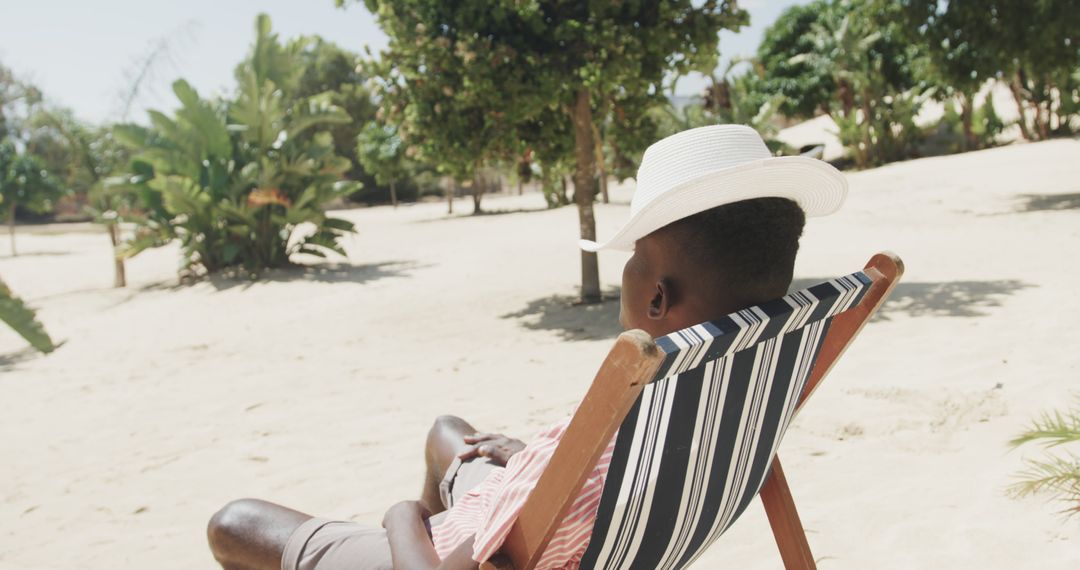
{"x":707,"y":265}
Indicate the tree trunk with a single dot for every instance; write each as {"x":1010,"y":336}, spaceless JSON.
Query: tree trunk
{"x":966,"y":104}
{"x":847,"y":98}
{"x":451,"y":187}
{"x":477,"y":192}
{"x":119,"y":272}
{"x":11,"y":227}
{"x":1018,"y":96}
{"x":393,"y":193}
{"x":521,"y":186}
{"x":600,"y":166}
{"x":584,"y":152}
{"x":869,"y":151}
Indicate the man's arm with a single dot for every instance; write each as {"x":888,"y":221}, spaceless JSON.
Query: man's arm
{"x":410,"y":544}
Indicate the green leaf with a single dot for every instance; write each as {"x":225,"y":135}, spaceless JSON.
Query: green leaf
{"x":22,"y":319}
{"x":340,"y":225}
{"x":230,"y":251}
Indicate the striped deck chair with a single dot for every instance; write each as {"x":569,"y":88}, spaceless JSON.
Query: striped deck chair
{"x":699,"y":415}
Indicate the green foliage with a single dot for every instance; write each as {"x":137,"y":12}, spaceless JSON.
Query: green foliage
{"x":15,"y":313}
{"x":24,"y":182}
{"x":475,"y":82}
{"x":382,"y":153}
{"x":236,"y":180}
{"x":807,"y":84}
{"x":18,"y":101}
{"x":949,"y":135}
{"x":333,"y":72}
{"x":848,"y":57}
{"x":1032,"y":45}
{"x":1055,"y":474}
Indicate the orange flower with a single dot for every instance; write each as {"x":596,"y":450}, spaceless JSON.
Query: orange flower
{"x":264,"y":196}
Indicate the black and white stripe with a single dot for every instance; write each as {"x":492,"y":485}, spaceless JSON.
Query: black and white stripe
{"x":695,"y":448}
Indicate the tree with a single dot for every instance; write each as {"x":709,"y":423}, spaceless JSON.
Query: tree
{"x":83,"y":158}
{"x":25,"y":183}
{"x":806,"y":86}
{"x":1033,"y":46}
{"x":463,"y":78}
{"x":382,"y":154}
{"x":236,"y":181}
{"x":854,"y":48}
{"x":18,"y":100}
{"x":331,"y":71}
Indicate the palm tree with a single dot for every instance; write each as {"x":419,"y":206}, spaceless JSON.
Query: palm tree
{"x":1056,"y":474}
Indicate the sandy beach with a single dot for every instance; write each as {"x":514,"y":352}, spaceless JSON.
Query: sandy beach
{"x":314,"y":388}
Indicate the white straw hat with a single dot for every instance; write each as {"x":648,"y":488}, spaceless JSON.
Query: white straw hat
{"x":703,"y":168}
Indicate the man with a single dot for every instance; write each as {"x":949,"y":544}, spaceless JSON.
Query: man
{"x":714,"y":227}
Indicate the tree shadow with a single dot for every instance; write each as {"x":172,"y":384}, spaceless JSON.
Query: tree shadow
{"x":482,"y":214}
{"x":36,"y":254}
{"x":570,"y":320}
{"x":1048,"y":202}
{"x":939,"y":299}
{"x":320,"y":273}
{"x":561,"y":314}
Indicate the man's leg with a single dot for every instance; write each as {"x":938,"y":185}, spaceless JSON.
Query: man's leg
{"x":445,"y":441}
{"x":249,"y":534}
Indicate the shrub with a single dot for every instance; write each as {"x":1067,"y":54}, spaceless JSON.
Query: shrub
{"x":241,"y":183}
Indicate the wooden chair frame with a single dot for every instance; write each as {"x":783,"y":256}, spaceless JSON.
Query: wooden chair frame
{"x":630,"y":365}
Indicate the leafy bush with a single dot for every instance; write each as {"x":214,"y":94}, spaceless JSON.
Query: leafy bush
{"x":22,"y":319}
{"x":241,"y":183}
{"x":1056,"y":474}
{"x":24,"y":183}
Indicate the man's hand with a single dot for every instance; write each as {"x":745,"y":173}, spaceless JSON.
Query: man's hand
{"x":495,"y":446}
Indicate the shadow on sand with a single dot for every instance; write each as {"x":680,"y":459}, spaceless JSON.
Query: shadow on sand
{"x":1048,"y":202}
{"x":37,"y":254}
{"x":482,"y":214}
{"x":9,"y":361}
{"x":940,"y":299}
{"x":571,"y":321}
{"x":321,"y":273}
{"x":558,"y":313}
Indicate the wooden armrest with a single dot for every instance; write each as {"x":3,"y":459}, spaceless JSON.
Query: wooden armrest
{"x":630,"y":365}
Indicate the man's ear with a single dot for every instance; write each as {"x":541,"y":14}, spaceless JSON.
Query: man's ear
{"x":660,"y":303}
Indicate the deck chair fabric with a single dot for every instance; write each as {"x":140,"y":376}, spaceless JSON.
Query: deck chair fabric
{"x":695,"y":447}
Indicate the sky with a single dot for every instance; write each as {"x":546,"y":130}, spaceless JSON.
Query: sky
{"x":84,"y":54}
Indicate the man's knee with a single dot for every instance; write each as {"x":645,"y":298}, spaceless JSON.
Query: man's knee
{"x":446,"y":433}
{"x":231,"y":525}
{"x":444,"y":424}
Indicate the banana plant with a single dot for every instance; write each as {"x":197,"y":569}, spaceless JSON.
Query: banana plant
{"x":234,"y":181}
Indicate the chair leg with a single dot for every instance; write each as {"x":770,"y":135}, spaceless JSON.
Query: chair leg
{"x":784,"y":519}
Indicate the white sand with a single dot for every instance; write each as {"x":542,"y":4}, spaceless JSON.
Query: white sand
{"x":315,"y":389}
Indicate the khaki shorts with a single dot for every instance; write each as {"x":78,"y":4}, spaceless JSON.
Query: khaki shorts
{"x":325,"y":544}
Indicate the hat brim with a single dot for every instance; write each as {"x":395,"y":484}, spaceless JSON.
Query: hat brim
{"x":816,"y":186}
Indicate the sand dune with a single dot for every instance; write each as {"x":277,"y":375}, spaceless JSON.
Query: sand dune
{"x":314,"y":388}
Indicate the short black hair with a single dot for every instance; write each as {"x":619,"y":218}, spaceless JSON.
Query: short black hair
{"x":748,"y":248}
